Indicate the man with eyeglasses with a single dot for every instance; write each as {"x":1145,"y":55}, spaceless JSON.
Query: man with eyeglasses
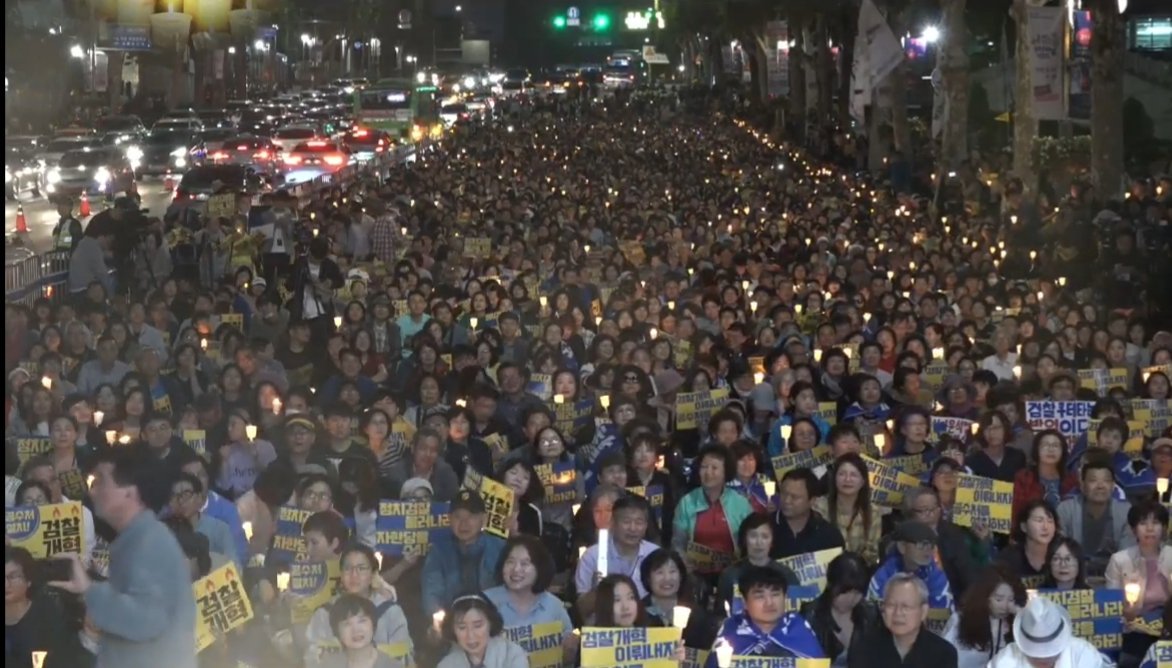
{"x":953,"y":554}
{"x":902,"y":639}
{"x":914,"y":553}
{"x":159,"y":441}
{"x":187,"y":501}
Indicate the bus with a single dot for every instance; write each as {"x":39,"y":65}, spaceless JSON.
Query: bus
{"x":399,"y":107}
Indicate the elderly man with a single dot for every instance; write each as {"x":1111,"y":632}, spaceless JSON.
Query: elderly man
{"x":903,"y":640}
{"x":914,"y":553}
{"x":1043,"y":637}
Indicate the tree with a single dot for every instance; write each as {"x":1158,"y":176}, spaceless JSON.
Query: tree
{"x":954,"y":66}
{"x":1108,"y":42}
{"x":1025,"y":126}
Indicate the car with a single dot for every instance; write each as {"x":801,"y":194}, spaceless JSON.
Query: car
{"x":258,"y":152}
{"x":201,"y":182}
{"x":350,"y":85}
{"x":292,"y":135}
{"x":164,"y":152}
{"x":364,"y":143}
{"x":216,"y":119}
{"x":22,"y":171}
{"x":455,"y":112}
{"x":121,"y":129}
{"x":178,"y":124}
{"x":104,"y":171}
{"x":50,"y":153}
{"x":319,"y":154}
{"x":215,"y":138}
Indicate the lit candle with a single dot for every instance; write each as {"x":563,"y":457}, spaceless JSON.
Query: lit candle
{"x":250,"y":432}
{"x":437,"y":619}
{"x":1017,"y":371}
{"x":47,"y":382}
{"x":581,"y":551}
{"x":89,"y":481}
{"x":786,"y":430}
{"x":770,"y":488}
{"x":98,"y":417}
{"x":276,"y":405}
{"x":282,"y":581}
{"x":1162,"y":486}
{"x":543,"y":300}
{"x":247,"y":526}
{"x":654,"y":333}
{"x":671,"y":305}
{"x":848,"y":353}
{"x":586,"y":248}
{"x":938,"y":353}
{"x":753,"y":306}
{"x":880,"y":442}
{"x":337,"y":322}
{"x":461,"y":403}
{"x":605,"y":401}
{"x":575,"y":508}
{"x":724,"y":653}
{"x":403,"y":231}
{"x":974,"y":428}
{"x":891,"y":425}
{"x":798,"y":309}
{"x":559,"y":398}
{"x":378,"y":556}
{"x":473,"y":321}
{"x":1132,"y":591}
{"x":203,"y":344}
{"x":758,"y":378}
{"x":603,"y":551}
{"x":680,"y":615}
{"x":817,"y":354}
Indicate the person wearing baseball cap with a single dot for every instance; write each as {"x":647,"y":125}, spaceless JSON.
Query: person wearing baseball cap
{"x":462,"y":560}
{"x":913,"y":550}
{"x":1161,"y":461}
{"x":1043,"y":638}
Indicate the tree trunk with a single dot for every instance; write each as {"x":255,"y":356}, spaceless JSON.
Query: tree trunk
{"x":1025,"y":126}
{"x":848,"y":30}
{"x":954,"y":65}
{"x":797,"y":80}
{"x":823,"y":69}
{"x":900,"y":130}
{"x":1108,"y":42}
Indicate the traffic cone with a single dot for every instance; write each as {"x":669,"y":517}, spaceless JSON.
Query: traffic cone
{"x":21,"y":221}
{"x":85,"y":205}
{"x":168,"y":182}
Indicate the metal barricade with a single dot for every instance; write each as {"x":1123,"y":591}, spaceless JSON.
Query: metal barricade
{"x":22,"y":276}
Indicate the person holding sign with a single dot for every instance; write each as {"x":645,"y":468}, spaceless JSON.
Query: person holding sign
{"x":903,"y":640}
{"x":1043,"y":637}
{"x":764,"y":628}
{"x":665,"y":577}
{"x":711,"y":514}
{"x":914,"y":553}
{"x":476,"y":631}
{"x":462,"y":559}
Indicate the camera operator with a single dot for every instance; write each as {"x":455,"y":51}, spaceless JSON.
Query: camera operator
{"x":313,"y":281}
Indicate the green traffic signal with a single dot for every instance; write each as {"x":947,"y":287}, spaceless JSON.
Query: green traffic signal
{"x":601,"y":21}
{"x":559,"y":22}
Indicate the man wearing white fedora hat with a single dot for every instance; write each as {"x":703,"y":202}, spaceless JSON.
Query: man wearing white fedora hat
{"x":1043,"y":638}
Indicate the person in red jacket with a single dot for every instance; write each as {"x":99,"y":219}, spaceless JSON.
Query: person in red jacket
{"x":1046,"y":478}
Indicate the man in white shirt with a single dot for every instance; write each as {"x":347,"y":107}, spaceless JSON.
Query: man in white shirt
{"x":1001,"y":362}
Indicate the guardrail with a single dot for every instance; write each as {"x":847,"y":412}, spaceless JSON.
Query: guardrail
{"x":28,"y":275}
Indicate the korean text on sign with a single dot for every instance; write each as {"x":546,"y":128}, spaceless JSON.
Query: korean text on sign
{"x":542,"y":642}
{"x":406,"y":527}
{"x":694,"y":408}
{"x":616,"y":648}
{"x":983,"y":501}
{"x":1070,"y":418}
{"x":221,"y":605}
{"x":45,"y":530}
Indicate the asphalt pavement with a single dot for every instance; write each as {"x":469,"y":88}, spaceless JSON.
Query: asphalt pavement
{"x":41,"y":216}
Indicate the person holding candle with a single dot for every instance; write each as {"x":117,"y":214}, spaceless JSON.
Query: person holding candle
{"x":764,"y":628}
{"x":1144,"y":570}
{"x":620,"y":549}
{"x":669,"y":598}
{"x":804,"y":404}
{"x":241,"y":458}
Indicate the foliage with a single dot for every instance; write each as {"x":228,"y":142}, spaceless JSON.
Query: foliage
{"x":1051,"y":153}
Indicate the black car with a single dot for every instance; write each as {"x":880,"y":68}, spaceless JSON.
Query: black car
{"x":22,"y":172}
{"x":121,"y":129}
{"x":174,"y":152}
{"x":201,"y":182}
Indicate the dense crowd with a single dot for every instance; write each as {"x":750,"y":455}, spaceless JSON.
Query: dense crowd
{"x":625,"y":364}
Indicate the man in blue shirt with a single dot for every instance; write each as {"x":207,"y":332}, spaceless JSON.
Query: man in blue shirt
{"x":914,"y":553}
{"x":764,"y":628}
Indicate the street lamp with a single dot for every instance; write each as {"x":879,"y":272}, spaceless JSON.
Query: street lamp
{"x":76,"y":51}
{"x":931,"y":34}
{"x":307,"y":39}
{"x":459,"y":8}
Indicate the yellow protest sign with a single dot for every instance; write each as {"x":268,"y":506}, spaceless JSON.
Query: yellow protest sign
{"x":72,"y":484}
{"x":909,"y":464}
{"x":983,"y":501}
{"x":805,"y":459}
{"x":498,"y":501}
{"x":27,"y":448}
{"x":235,"y":320}
{"x":704,"y":559}
{"x":934,"y":375}
{"x":694,"y":408}
{"x":694,"y":658}
{"x":222,"y":206}
{"x":828,"y":411}
{"x":196,"y":439}
{"x":1154,"y":413}
{"x":396,"y":652}
{"x":221,"y":605}
{"x":560,"y":482}
{"x":47,"y":530}
{"x":632,"y":249}
{"x":1102,"y":380}
{"x":682,"y":353}
{"x":811,"y":566}
{"x":542,"y":642}
{"x":616,"y":648}
{"x":888,"y":485}
{"x":1164,"y":654}
{"x":312,"y":584}
{"x":938,"y":619}
{"x":477,"y":247}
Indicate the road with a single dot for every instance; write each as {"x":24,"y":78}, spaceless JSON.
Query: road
{"x":42,"y":216}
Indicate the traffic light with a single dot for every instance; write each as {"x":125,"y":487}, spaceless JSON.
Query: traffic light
{"x":601,"y":22}
{"x":559,"y":22}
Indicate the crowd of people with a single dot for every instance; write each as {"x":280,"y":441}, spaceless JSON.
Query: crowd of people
{"x":628,"y":358}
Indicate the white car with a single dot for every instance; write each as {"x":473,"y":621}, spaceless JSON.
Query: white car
{"x":327,"y":156}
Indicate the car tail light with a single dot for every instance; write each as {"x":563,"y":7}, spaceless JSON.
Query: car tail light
{"x":379,"y":149}
{"x":219,"y":155}
{"x":180,"y":195}
{"x":261,"y":155}
{"x":360,"y":133}
{"x":316,"y":143}
{"x":335,"y":160}
{"x":293,"y":159}
{"x":242,"y":147}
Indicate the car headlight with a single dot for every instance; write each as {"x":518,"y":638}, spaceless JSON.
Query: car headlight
{"x":54,"y":176}
{"x":133,"y":153}
{"x":180,"y":162}
{"x":102,"y":176}
{"x":179,"y":153}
